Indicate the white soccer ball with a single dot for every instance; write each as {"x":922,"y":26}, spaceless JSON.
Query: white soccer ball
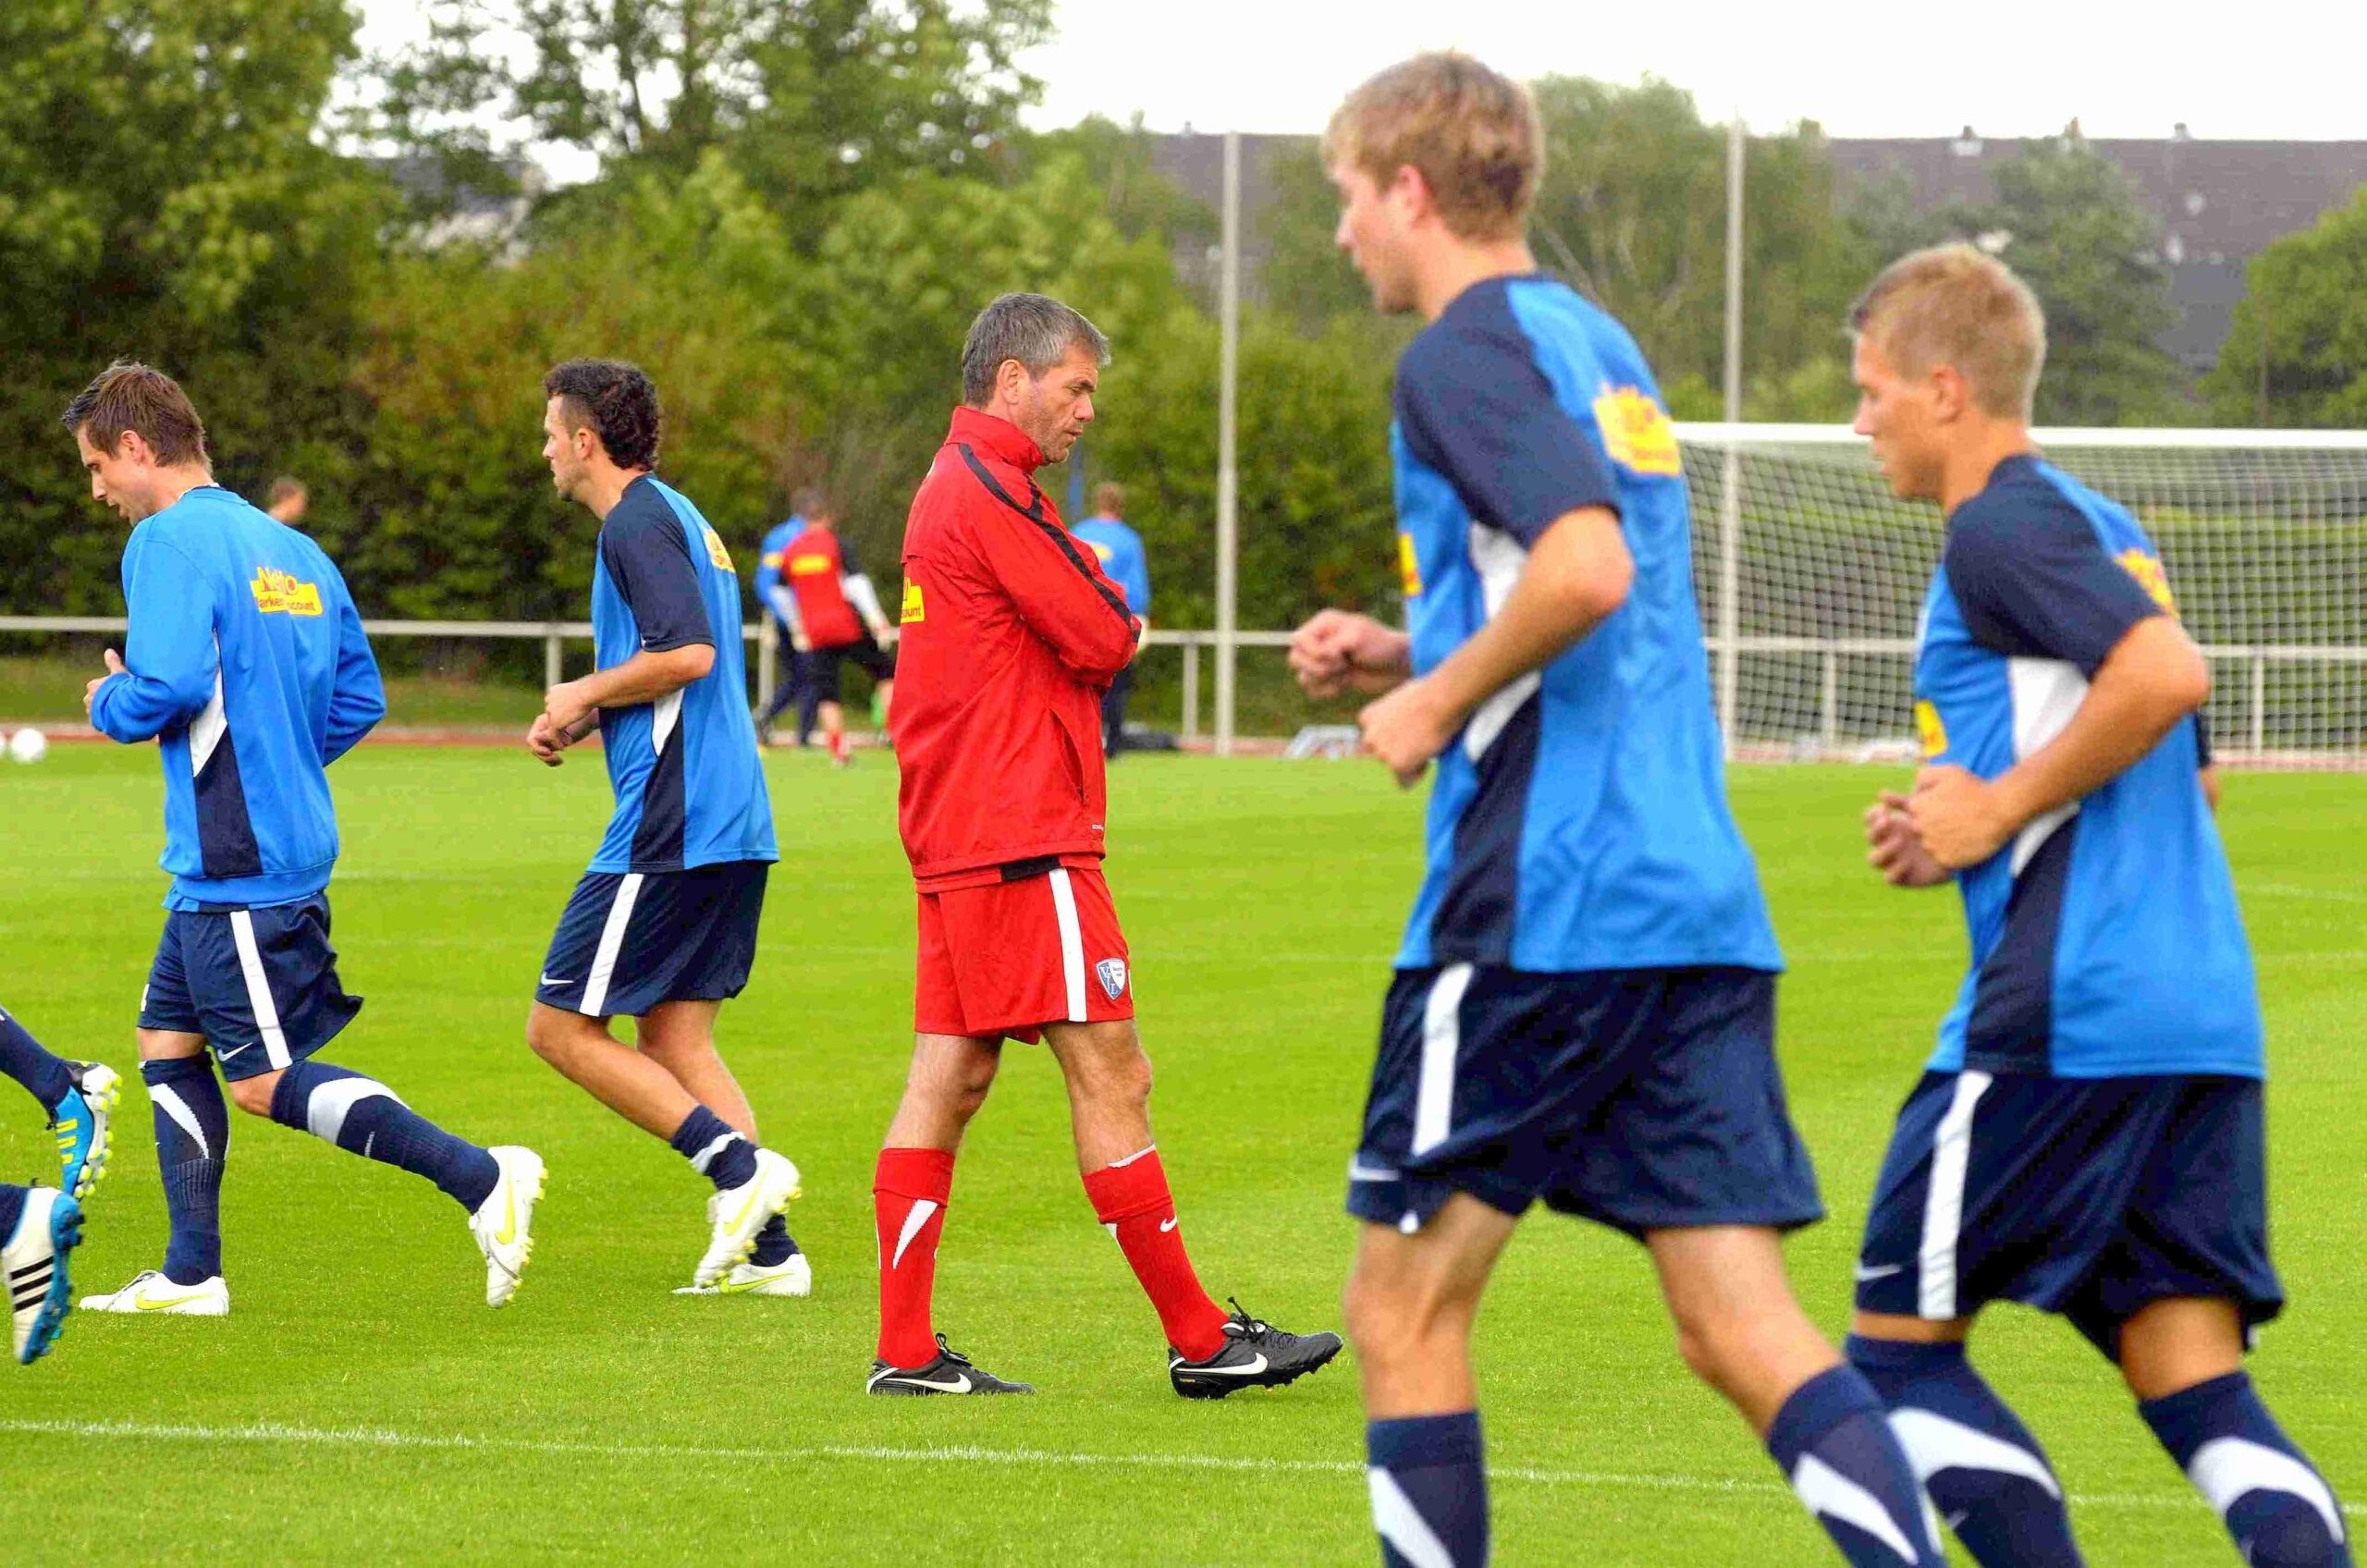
{"x":29,"y":745}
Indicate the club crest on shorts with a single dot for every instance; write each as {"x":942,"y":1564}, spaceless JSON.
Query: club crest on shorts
{"x":1112,"y":972}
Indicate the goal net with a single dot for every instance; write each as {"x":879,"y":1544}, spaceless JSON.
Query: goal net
{"x":1811,"y":575}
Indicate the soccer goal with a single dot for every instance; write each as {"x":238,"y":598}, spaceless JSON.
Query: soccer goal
{"x":1811,"y":575}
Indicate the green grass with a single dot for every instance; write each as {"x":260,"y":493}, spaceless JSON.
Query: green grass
{"x":610,"y":1420}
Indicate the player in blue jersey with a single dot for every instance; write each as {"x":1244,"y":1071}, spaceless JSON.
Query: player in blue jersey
{"x":2088,"y":1138}
{"x":1584,"y":1008}
{"x":1119,"y":550}
{"x":246,"y":662}
{"x":662,"y":928}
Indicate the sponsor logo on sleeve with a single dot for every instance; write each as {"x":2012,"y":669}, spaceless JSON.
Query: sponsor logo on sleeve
{"x":913,"y":613}
{"x":1102,"y":551}
{"x":279,"y":593}
{"x":1410,"y":567}
{"x":1636,"y":430}
{"x":1929,"y":730}
{"x":2150,"y":576}
{"x":715,"y":552}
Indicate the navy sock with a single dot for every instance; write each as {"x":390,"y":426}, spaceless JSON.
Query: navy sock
{"x":12,"y":1208}
{"x":24,"y":1059}
{"x":715,"y":1151}
{"x":774,"y":1244}
{"x":1986,"y":1473}
{"x":363,"y":1116}
{"x":193,"y":1143}
{"x":1430,"y":1490}
{"x":1833,"y":1441}
{"x":2277,"y":1505}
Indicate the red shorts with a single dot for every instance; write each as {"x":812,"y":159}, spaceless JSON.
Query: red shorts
{"x":1007,"y":958}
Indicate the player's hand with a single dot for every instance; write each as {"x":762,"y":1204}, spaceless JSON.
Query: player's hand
{"x":1893,"y":849}
{"x":547,"y":740}
{"x":565,"y":706}
{"x":800,"y":643}
{"x":885,"y":637}
{"x":1338,"y":651}
{"x":91,"y":691}
{"x":1407,"y":728}
{"x":1957,"y":816}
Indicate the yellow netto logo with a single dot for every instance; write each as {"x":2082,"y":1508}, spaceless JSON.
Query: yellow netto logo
{"x":1409,"y":569}
{"x":1101,"y":552}
{"x":2150,"y":577}
{"x":808,"y":566}
{"x":715,"y":552}
{"x":1636,"y":430}
{"x":279,"y":593}
{"x":913,"y":611}
{"x":1929,"y":730}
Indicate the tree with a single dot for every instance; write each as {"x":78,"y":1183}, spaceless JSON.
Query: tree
{"x":2076,"y":229}
{"x":2301,"y":330}
{"x":1631,"y":212}
{"x":164,"y":195}
{"x":815,"y":98}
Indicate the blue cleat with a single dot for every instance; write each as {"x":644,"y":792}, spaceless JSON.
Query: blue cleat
{"x":34,"y":1263}
{"x":81,"y":1123}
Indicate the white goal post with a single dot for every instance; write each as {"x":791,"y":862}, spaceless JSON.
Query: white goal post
{"x":1811,"y":576}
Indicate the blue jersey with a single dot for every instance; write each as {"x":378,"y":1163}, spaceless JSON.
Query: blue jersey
{"x":769,"y":557}
{"x":2106,"y":937}
{"x":1121,"y":552}
{"x":1580,"y":822}
{"x":690,"y":785}
{"x":246,"y":662}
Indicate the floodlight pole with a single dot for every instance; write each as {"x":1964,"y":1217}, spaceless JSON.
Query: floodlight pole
{"x":1227,"y":520}
{"x":1730,"y":485}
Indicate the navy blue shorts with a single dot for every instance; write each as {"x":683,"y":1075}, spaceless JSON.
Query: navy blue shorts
{"x":630,"y":940}
{"x":259,"y":983}
{"x":2086,"y":1197}
{"x":1642,"y":1098}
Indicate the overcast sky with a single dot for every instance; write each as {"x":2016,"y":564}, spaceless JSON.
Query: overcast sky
{"x":2273,"y":68}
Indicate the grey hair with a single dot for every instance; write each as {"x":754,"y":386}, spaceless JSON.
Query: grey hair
{"x":1035,"y":329}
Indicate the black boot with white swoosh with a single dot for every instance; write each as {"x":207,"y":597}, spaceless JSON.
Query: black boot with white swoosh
{"x":950,"y":1373}
{"x":1256,"y":1356}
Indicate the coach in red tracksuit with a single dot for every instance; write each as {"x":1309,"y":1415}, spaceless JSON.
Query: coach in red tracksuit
{"x":1011,"y":634}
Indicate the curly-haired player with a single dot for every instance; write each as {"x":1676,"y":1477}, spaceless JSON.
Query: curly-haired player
{"x":662,"y":927}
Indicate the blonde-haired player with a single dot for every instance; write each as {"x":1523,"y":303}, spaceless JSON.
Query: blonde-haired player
{"x":2088,"y":1138}
{"x":1584,"y":1008}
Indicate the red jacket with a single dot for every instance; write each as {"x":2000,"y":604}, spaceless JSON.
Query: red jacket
{"x":1011,"y":634}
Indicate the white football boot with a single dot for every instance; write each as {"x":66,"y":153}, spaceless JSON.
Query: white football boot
{"x":737,"y":1213}
{"x":151,"y":1292}
{"x":33,"y":1259}
{"x":503,"y":1224}
{"x":792,"y":1276}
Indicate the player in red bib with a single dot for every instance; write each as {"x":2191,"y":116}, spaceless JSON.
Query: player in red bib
{"x":1011,"y":635}
{"x":825,"y":593}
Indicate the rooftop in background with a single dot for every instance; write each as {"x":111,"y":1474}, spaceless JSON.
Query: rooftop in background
{"x":2221,"y":202}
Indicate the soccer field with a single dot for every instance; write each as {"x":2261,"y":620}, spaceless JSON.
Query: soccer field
{"x":361,"y":1404}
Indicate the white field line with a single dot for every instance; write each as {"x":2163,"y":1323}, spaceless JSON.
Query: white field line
{"x":951,"y":1453}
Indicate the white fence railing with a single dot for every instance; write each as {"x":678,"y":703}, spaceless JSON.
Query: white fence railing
{"x":555,"y":635}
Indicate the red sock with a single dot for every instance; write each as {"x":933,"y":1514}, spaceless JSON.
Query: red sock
{"x":908,"y":1193}
{"x":839,"y":751}
{"x":1132,"y":1201}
